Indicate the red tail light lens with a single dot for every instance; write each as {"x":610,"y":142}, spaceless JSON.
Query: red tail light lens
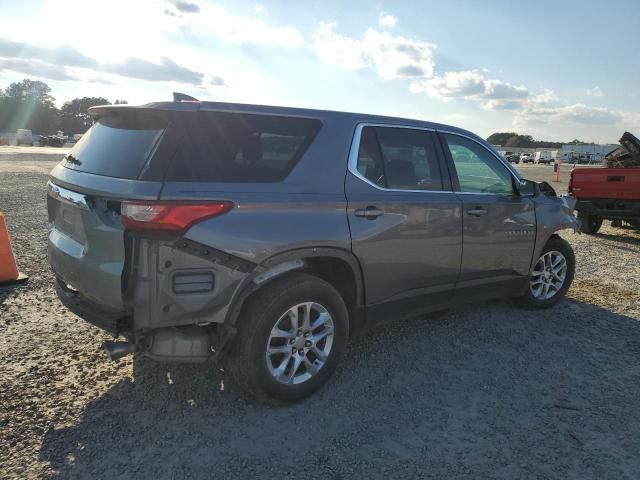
{"x":174,"y":217}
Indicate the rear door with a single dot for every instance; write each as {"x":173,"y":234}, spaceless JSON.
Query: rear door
{"x":405,"y":221}
{"x":499,"y":225}
{"x":86,"y":240}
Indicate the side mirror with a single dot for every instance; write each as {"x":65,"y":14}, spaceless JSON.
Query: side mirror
{"x":528,"y":188}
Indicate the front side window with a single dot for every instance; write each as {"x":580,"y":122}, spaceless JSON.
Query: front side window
{"x":478,"y":170}
{"x":398,"y":159}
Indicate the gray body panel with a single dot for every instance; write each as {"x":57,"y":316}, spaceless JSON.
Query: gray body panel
{"x":421,"y":251}
{"x":413,"y":248}
{"x":552,"y":215}
{"x":86,"y":246}
{"x":499,"y":242}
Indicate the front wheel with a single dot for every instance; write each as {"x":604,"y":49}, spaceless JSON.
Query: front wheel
{"x":551,"y":276}
{"x":290,"y":338}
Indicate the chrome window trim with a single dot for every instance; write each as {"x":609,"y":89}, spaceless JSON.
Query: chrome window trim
{"x":352,"y":165}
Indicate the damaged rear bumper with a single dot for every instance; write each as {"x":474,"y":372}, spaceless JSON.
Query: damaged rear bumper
{"x":113,"y":321}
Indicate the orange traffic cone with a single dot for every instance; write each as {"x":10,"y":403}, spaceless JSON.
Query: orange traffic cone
{"x":9,"y":273}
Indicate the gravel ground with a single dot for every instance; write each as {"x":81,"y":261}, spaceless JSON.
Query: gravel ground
{"x":487,"y":391}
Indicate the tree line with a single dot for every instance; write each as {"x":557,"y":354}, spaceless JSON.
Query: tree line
{"x":512,"y":139}
{"x":29,"y":104}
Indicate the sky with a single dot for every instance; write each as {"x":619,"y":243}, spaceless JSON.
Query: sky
{"x":556,"y":70}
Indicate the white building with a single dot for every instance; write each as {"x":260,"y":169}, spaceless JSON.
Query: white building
{"x":585,"y":153}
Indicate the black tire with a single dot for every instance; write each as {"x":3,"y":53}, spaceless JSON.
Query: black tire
{"x":528,"y":299}
{"x":590,"y":223}
{"x":247,"y":356}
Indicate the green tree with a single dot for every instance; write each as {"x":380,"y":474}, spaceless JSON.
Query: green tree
{"x":31,"y":89}
{"x":501,"y":138}
{"x":28,"y":104}
{"x":512,"y":139}
{"x":74,"y":116}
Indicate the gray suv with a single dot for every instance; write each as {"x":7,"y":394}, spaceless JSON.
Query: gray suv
{"x":266,"y":236}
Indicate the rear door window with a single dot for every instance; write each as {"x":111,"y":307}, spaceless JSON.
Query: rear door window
{"x":237,"y":147}
{"x":399,"y":159}
{"x":116,"y":146}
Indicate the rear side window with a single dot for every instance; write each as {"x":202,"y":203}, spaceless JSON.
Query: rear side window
{"x":116,"y":146}
{"x":237,"y":147}
{"x":399,"y":159}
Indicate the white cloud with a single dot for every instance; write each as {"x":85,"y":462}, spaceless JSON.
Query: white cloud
{"x":547,"y":109}
{"x":451,"y":85}
{"x":472,"y":85}
{"x":499,"y":90}
{"x":547,"y":97}
{"x":242,"y":29}
{"x":61,"y":62}
{"x":259,"y":8}
{"x":578,"y":113}
{"x":36,"y":68}
{"x":391,"y":56}
{"x":386,"y":20}
{"x":595,"y":91}
{"x":185,"y":7}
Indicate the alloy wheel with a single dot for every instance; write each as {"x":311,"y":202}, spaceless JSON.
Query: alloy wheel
{"x":548,"y":275}
{"x":300,"y":343}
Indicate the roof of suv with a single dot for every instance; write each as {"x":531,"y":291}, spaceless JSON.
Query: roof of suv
{"x":194,"y":106}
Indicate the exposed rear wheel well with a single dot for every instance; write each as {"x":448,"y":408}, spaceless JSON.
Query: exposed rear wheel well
{"x":339,"y":274}
{"x":335,"y":271}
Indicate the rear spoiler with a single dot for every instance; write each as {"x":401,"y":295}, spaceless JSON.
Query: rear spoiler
{"x":181,"y":103}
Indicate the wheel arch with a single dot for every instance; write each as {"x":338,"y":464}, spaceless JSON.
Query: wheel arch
{"x":338,"y":267}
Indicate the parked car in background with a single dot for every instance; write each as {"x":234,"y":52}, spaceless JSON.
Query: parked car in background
{"x":582,"y":159}
{"x":513,"y":158}
{"x":57,"y":140}
{"x":526,"y":158}
{"x":543,"y":157}
{"x":266,"y":236}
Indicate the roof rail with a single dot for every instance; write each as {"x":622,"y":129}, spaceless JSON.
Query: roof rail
{"x":182,"y":97}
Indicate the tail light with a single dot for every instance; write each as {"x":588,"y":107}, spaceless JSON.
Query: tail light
{"x":169,"y":217}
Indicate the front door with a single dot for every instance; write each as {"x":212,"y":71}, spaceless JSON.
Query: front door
{"x":405,"y":221}
{"x":499,"y":225}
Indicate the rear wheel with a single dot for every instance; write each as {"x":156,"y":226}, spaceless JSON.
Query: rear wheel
{"x":290,"y":338}
{"x":590,"y":223}
{"x":551,"y":276}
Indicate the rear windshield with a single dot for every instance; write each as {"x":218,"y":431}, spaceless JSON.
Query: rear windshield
{"x":116,"y":146}
{"x":237,"y":147}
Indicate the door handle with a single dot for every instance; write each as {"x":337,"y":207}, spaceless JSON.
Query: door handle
{"x":370,"y":213}
{"x":477,"y":212}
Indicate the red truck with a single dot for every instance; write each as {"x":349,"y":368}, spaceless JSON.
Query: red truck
{"x":606,"y":194}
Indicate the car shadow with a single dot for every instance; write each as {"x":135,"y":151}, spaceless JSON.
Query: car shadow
{"x":475,"y":392}
{"x":629,"y":240}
